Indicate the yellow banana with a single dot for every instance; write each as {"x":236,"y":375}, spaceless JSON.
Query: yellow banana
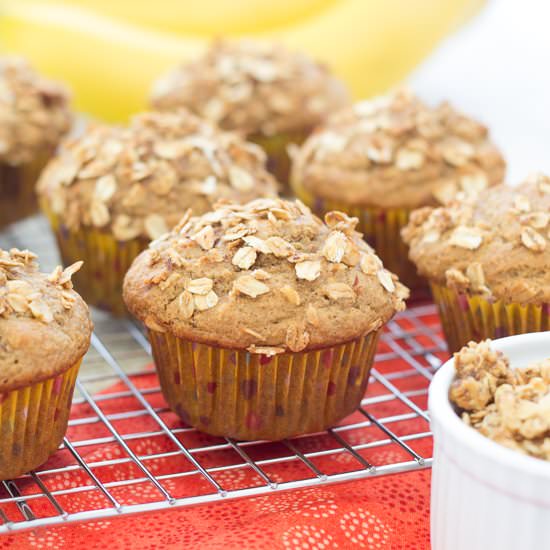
{"x":207,"y":17}
{"x":110,"y":63}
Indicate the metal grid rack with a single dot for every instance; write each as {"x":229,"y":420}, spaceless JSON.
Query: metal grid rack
{"x":125,"y":452}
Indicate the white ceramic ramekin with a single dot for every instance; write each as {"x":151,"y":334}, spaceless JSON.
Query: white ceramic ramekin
{"x":485,"y":496}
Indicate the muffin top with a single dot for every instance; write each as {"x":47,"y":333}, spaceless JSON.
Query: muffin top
{"x":495,"y":246}
{"x":136,"y":181}
{"x":396,"y":152}
{"x":45,"y":325}
{"x":268,"y":277}
{"x":509,"y":406}
{"x":34,"y":112}
{"x":256,"y":88}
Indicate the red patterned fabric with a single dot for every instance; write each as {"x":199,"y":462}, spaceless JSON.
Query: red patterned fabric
{"x":379,"y":513}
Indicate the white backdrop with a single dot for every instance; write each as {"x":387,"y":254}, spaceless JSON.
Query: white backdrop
{"x":497,"y":68}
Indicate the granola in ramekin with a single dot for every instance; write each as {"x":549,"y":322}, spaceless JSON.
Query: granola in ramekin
{"x":509,"y":406}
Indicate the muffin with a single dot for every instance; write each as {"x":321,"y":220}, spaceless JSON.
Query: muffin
{"x":34,"y":115}
{"x":263,"y":319}
{"x":45,"y":331}
{"x":112,"y":190}
{"x":487,"y":261}
{"x":272,"y":96}
{"x":380,"y":159}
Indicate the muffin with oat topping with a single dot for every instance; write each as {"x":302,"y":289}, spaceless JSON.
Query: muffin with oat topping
{"x":382,"y":158}
{"x":272,"y":96}
{"x":112,"y":190}
{"x":263,"y":319}
{"x":45,"y":331}
{"x":509,"y":406}
{"x":487,"y":261}
{"x":34,"y":115}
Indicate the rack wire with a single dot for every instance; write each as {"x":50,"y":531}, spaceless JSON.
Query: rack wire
{"x":125,"y":452}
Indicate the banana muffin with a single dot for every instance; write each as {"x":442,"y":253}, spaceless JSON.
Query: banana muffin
{"x":112,"y":190}
{"x":382,"y":158}
{"x":34,"y":115}
{"x":45,"y":331}
{"x":488,"y":261}
{"x":263,"y":319}
{"x":271,"y":95}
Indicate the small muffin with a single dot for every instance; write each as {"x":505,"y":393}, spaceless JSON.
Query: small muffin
{"x":383,"y":158}
{"x":487,"y":261}
{"x":263,"y":319}
{"x":45,"y":331}
{"x":34,"y":115}
{"x":112,"y":190}
{"x":272,"y":96}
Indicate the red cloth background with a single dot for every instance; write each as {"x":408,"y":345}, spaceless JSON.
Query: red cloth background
{"x":380,"y":513}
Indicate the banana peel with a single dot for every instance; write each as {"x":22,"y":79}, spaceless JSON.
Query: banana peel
{"x":207,"y":18}
{"x":110,"y":57}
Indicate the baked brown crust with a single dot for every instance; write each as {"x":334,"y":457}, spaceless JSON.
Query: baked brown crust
{"x":136,"y":181}
{"x":267,"y":276}
{"x":396,"y":152}
{"x":34,"y":112}
{"x":45,"y":326}
{"x":255,"y":88}
{"x":495,"y":246}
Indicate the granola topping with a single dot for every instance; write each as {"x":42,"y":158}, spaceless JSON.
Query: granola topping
{"x":34,"y":113}
{"x":273,"y":268}
{"x":395,"y":151}
{"x":509,"y":406}
{"x":24,"y":292}
{"x":495,"y":245}
{"x":137,"y":181}
{"x":255,"y":88}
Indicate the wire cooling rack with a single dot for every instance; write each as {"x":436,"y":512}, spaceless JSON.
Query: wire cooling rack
{"x":125,"y":452}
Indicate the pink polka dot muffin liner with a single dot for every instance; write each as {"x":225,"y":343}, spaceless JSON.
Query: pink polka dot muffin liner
{"x":33,"y":421}
{"x":234,"y":393}
{"x":465,"y":318}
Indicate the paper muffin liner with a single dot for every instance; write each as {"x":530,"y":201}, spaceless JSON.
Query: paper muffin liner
{"x":234,"y":393}
{"x":278,"y":159}
{"x":381,"y":228}
{"x":465,"y":318}
{"x":106,"y":261}
{"x":17,"y":189}
{"x":33,"y":421}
